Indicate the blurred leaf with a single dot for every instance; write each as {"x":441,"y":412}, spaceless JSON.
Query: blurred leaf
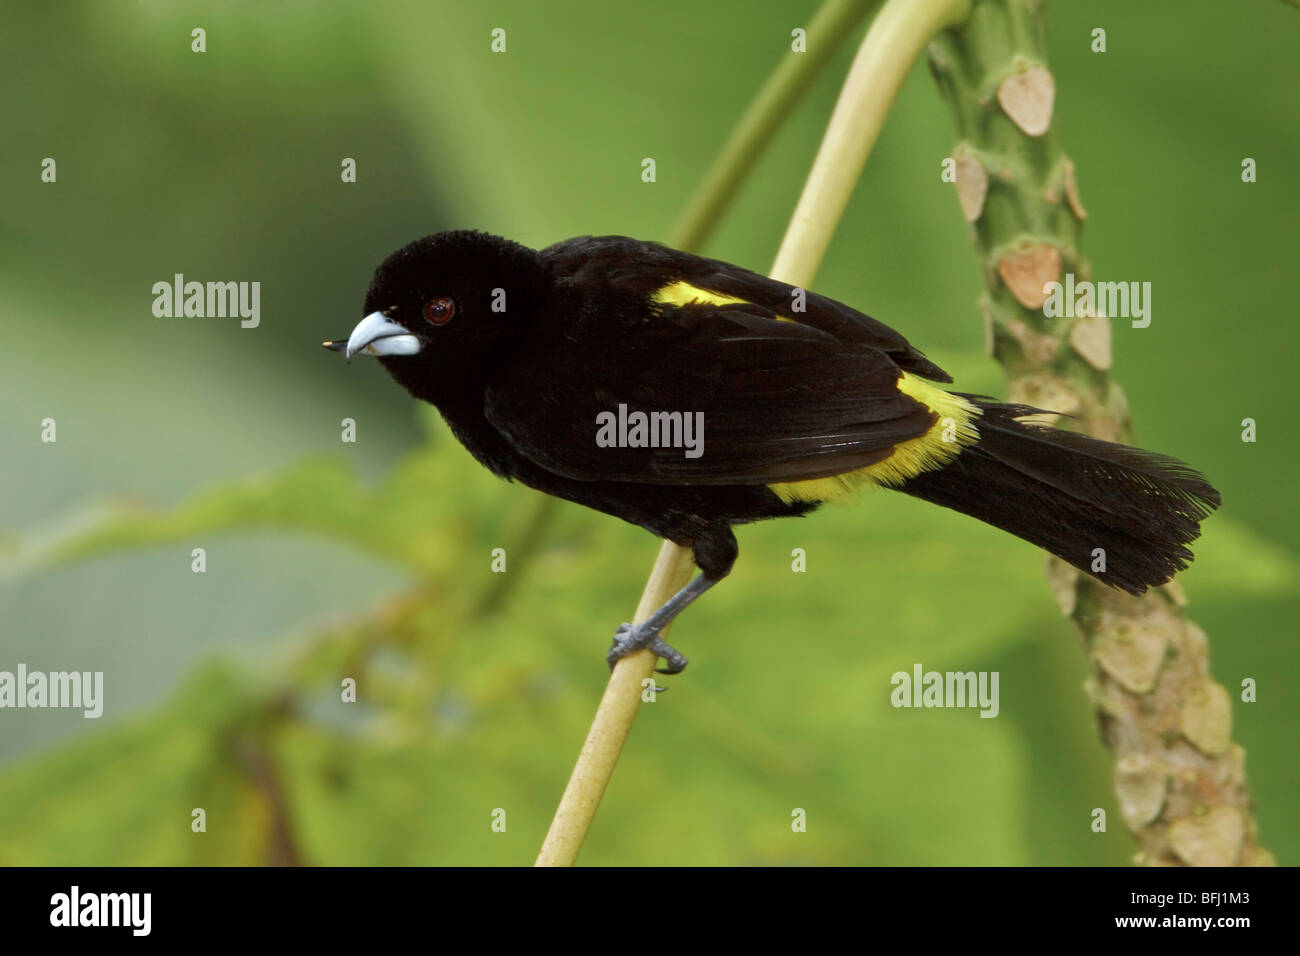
{"x":125,"y":798}
{"x":405,"y":518}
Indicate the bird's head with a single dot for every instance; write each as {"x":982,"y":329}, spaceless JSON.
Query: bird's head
{"x":442,"y":312}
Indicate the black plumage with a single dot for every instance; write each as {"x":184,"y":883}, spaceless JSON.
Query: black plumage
{"x":801,"y":398}
{"x":1072,"y":495}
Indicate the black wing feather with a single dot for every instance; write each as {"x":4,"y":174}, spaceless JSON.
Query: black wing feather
{"x":641,"y":268}
{"x":780,"y":401}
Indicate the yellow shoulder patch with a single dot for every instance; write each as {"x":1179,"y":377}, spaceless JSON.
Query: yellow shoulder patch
{"x":953,"y":429}
{"x":682,"y":292}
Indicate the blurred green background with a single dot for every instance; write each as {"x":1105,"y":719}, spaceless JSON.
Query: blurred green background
{"x":372,"y":560}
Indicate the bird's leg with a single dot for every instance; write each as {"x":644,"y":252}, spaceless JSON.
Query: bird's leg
{"x":714,"y":550}
{"x":632,"y":637}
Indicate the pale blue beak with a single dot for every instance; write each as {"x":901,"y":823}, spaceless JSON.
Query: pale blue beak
{"x":377,"y":334}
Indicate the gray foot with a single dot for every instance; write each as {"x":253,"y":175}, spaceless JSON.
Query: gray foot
{"x":633,"y":637}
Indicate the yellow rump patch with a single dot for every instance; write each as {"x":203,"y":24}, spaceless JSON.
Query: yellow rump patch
{"x":682,"y":292}
{"x":953,"y":429}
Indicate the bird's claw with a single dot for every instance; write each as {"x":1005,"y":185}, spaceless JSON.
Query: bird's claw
{"x":633,"y":637}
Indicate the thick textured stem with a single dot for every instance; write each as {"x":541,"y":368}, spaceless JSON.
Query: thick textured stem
{"x":875,"y":77}
{"x":1179,"y":778}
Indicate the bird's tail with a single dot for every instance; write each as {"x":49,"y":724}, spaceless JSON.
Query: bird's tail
{"x":1073,"y":495}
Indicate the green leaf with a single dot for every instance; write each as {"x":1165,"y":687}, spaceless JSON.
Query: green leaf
{"x":126,"y":797}
{"x":412,"y":518}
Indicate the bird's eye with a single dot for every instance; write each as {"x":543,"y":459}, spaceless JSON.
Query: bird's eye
{"x":439,"y":311}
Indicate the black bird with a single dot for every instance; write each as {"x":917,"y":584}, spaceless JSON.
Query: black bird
{"x":687,"y":395}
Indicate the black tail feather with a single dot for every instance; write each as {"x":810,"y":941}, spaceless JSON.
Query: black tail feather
{"x":1071,"y":494}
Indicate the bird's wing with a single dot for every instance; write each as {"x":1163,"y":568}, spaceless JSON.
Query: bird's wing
{"x":777,"y":401}
{"x":659,"y":274}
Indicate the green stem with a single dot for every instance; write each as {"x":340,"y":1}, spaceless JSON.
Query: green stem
{"x":902,"y":25}
{"x":833,"y":23}
{"x":896,"y":38}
